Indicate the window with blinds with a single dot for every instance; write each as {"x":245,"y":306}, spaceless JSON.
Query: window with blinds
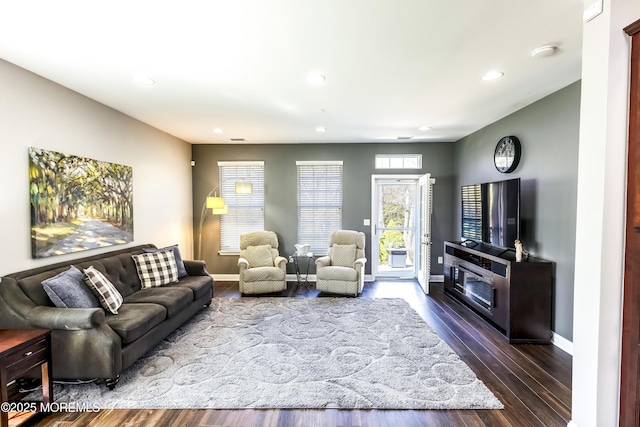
{"x":245,"y":211}
{"x":472,"y":212}
{"x":319,"y":203}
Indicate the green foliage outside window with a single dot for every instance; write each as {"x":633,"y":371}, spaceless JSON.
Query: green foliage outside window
{"x":390,"y":239}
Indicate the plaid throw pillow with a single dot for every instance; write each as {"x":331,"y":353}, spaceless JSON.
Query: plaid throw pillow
{"x":156,"y":268}
{"x":108,"y":295}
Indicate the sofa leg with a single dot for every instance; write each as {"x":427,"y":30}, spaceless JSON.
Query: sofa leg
{"x":111,"y":382}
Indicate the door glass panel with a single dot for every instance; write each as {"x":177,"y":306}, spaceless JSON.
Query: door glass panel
{"x":396,"y":228}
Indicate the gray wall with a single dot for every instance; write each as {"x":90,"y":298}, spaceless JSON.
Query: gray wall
{"x":548,"y":131}
{"x":281,"y":190}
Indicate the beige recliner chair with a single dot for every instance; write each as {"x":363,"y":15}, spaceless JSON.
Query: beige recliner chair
{"x":342,"y":270}
{"x":262,"y":269}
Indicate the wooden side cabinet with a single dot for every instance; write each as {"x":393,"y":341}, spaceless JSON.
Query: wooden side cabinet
{"x":515,"y":297}
{"x":20,"y":351}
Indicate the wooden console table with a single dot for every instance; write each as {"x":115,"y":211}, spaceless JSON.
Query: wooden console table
{"x":514,"y":296}
{"x":20,"y":351}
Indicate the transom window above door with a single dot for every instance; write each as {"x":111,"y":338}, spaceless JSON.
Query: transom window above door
{"x":398,"y":161}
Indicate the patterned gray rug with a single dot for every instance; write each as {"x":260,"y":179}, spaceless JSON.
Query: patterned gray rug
{"x":296,"y":353}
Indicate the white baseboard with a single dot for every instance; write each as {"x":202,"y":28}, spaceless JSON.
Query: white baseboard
{"x":225,"y":277}
{"x":562,"y":343}
{"x":290,"y":277}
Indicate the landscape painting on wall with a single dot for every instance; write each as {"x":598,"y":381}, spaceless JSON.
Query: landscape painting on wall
{"x":78,"y":203}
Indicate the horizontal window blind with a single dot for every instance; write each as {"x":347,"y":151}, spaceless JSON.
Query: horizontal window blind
{"x":245,"y":211}
{"x":472,"y":212}
{"x":319,"y":203}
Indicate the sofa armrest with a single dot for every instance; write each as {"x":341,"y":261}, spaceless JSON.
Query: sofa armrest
{"x":71,"y":319}
{"x":359,"y":263}
{"x":280,"y":262}
{"x":243,"y":264}
{"x":196,"y":268}
{"x":324,"y":261}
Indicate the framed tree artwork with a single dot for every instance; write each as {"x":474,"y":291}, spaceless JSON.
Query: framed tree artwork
{"x":78,"y":203}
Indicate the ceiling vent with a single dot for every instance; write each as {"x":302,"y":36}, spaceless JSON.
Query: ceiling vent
{"x":404,"y":137}
{"x":237,"y":139}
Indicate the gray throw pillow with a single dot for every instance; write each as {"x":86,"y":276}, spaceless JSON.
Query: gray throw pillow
{"x":68,"y":290}
{"x":182,"y":271}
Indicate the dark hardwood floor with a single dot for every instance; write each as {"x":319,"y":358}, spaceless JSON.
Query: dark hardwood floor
{"x":532,"y":381}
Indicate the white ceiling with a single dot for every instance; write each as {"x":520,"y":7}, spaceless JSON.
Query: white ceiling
{"x":391,"y":66}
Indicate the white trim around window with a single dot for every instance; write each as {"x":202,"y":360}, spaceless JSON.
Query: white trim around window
{"x":398,"y":161}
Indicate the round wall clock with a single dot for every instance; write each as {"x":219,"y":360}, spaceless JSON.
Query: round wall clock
{"x":507,"y":154}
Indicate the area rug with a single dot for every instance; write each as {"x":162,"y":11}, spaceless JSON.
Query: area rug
{"x":295,"y":353}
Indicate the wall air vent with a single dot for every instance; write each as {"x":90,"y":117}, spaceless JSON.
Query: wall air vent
{"x":237,"y":139}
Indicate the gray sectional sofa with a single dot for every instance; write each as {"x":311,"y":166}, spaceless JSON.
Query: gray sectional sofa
{"x":92,"y":342}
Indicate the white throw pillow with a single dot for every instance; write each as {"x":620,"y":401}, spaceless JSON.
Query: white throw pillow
{"x":258,"y":256}
{"x":343,"y":255}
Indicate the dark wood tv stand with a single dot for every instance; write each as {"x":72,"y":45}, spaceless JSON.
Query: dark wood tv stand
{"x":515,"y":297}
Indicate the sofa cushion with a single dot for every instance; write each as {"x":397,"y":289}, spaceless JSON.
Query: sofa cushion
{"x":134,"y":320}
{"x":32,"y":286}
{"x":156,"y":268}
{"x":258,"y":256}
{"x":108,"y":295}
{"x":173,"y":298}
{"x":68,"y":290}
{"x":263,"y":273}
{"x":199,"y":285}
{"x":343,"y":255}
{"x":337,"y":273}
{"x":122,"y":272}
{"x":182,"y":271}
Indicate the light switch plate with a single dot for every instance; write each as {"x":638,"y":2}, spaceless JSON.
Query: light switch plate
{"x":367,"y":222}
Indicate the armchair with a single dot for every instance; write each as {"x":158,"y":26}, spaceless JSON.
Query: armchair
{"x":262,"y":269}
{"x":342,"y":270}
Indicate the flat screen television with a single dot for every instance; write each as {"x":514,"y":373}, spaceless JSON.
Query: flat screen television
{"x":491,"y":212}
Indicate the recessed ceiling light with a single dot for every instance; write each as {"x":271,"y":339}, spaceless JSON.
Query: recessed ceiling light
{"x":321,"y":129}
{"x":492,"y":75}
{"x":143,"y":79}
{"x":316,"y":79}
{"x":543,"y":51}
{"x":424,"y":128}
{"x":218,"y":130}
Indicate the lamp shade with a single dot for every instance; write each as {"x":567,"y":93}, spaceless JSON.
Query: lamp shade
{"x":244,"y":187}
{"x":220,"y":211}
{"x":215,"y":203}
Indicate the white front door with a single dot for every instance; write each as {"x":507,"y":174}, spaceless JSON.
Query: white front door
{"x":394,"y":233}
{"x":424,"y":230}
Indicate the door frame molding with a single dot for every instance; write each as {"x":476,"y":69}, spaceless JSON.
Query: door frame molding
{"x":374,"y":177}
{"x":630,"y":361}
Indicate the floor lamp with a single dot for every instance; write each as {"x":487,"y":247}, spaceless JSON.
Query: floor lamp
{"x":217,"y":206}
